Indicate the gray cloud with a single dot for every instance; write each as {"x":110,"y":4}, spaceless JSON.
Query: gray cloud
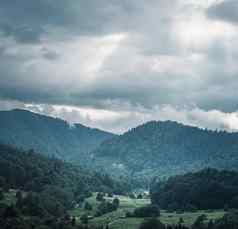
{"x":225,"y":10}
{"x":98,"y":53}
{"x":50,"y":54}
{"x":134,"y":116}
{"x":22,"y":34}
{"x":27,"y":21}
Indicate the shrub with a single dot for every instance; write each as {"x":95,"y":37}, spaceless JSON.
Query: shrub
{"x":88,"y":206}
{"x":199,"y":222}
{"x":100,"y":196}
{"x":129,"y":214}
{"x":132,"y":196}
{"x":116,"y":203}
{"x":147,"y":211}
{"x":84,"y":219}
{"x":110,"y":195}
{"x":152,"y":223}
{"x":105,"y":207}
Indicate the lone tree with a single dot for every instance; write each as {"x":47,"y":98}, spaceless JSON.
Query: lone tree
{"x":84,"y":219}
{"x":73,"y":221}
{"x":100,"y":196}
{"x":88,"y":206}
{"x":181,"y":221}
{"x":116,"y":203}
{"x":199,"y":222}
{"x":147,"y":211}
{"x":19,"y":198}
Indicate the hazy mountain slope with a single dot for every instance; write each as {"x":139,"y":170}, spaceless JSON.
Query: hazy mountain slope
{"x":49,"y":135}
{"x":167,"y":148}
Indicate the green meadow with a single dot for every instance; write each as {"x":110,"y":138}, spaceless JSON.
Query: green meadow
{"x":117,"y":219}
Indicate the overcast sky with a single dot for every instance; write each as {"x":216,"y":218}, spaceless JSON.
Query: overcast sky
{"x":114,"y":64}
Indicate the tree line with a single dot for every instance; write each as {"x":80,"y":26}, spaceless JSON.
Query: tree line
{"x":205,"y":189}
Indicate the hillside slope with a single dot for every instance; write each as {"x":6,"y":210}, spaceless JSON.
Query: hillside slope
{"x":49,"y":135}
{"x":167,"y":148}
{"x":53,"y":180}
{"x":205,"y":189}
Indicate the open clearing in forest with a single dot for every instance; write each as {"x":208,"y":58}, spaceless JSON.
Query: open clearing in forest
{"x":117,"y":218}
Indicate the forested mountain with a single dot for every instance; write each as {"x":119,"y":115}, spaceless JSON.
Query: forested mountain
{"x":168,"y":148}
{"x":32,"y":172}
{"x":155,"y":148}
{"x":49,"y":135}
{"x":206,"y":189}
{"x":45,"y":189}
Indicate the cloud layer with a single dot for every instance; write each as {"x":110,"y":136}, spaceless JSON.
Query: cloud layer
{"x":123,"y":61}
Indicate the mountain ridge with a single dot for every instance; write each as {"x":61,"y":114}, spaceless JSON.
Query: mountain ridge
{"x":163,"y":148}
{"x":168,"y":148}
{"x":49,"y":135}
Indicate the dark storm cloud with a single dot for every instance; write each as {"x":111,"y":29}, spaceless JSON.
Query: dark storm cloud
{"x":226,"y":10}
{"x":50,"y":54}
{"x":28,"y":20}
{"x":22,"y":34}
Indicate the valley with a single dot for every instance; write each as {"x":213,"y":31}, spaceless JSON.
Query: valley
{"x":118,"y":219}
{"x":54,"y":175}
{"x":118,"y":114}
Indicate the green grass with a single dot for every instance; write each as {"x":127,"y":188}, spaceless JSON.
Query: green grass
{"x":117,"y":218}
{"x":166,"y":218}
{"x":188,"y":217}
{"x":130,"y":223}
{"x":126,"y":204}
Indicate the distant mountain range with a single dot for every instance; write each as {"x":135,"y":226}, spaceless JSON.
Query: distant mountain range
{"x":154,"y":148}
{"x":167,"y":148}
{"x":49,"y":136}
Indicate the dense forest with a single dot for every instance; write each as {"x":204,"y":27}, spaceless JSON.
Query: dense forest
{"x":51,"y":179}
{"x":168,"y":148}
{"x":49,"y":136}
{"x":206,"y":189}
{"x":42,"y":190}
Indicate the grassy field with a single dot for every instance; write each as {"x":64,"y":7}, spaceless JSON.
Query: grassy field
{"x":117,"y":218}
